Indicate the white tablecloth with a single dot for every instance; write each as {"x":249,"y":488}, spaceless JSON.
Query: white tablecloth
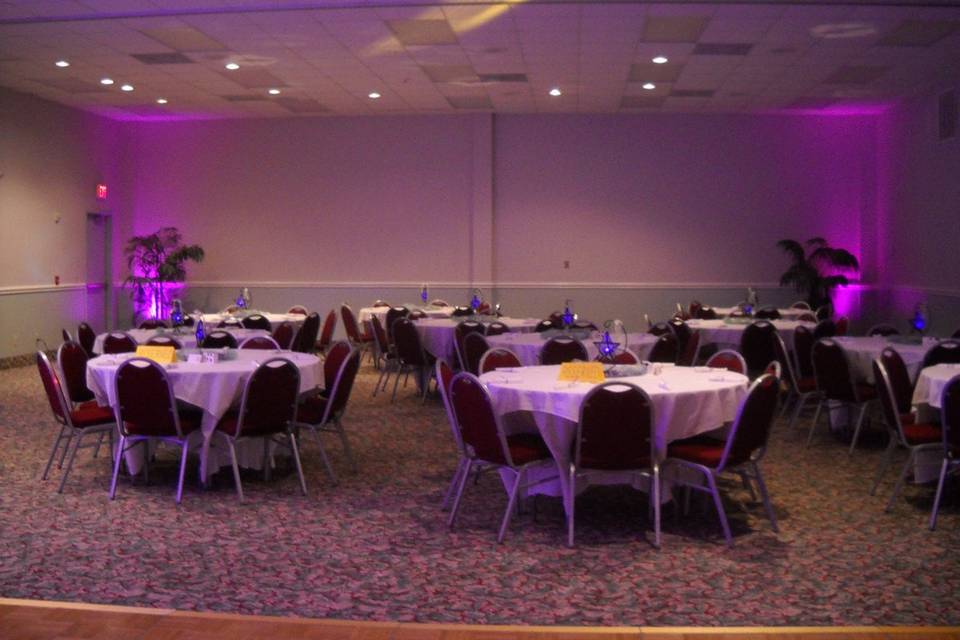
{"x":728,"y":334}
{"x":437,"y":335}
{"x":211,"y":320}
{"x":686,"y":401}
{"x":785,"y":314}
{"x":863,"y":350}
{"x":213,"y":387}
{"x":930,"y":384}
{"x":527,"y":346}
{"x":187,"y":339}
{"x":366,"y":313}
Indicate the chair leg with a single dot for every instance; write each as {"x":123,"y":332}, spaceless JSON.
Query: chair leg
{"x":63,"y":454}
{"x":296,"y":461}
{"x":452,"y":487}
{"x":800,"y":403}
{"x":571,"y":508}
{"x":266,"y":460}
{"x":116,"y":467}
{"x":816,"y":419}
{"x":96,"y":451}
{"x":745,"y":481}
{"x":900,"y":481}
{"x":766,"y":498}
{"x":53,"y":453}
{"x":396,"y":382}
{"x":510,"y":504}
{"x":856,"y":431}
{"x":376,"y":387}
{"x":884,"y":464}
{"x":323,"y":457}
{"x":718,"y":503}
{"x":236,"y":469}
{"x":655,"y":495}
{"x":459,"y":496}
{"x":183,"y":468}
{"x":936,"y":501}
{"x":73,"y":455}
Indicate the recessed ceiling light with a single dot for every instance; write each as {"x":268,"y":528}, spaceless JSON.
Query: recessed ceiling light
{"x":126,"y":87}
{"x":373,"y":95}
{"x":660,"y":60}
{"x":106,"y":81}
{"x":161,"y":101}
{"x":273,"y":92}
{"x":62,"y":63}
{"x":233,"y":66}
{"x":555,"y":92}
{"x":649,"y":86}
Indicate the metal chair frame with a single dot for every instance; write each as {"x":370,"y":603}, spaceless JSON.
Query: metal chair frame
{"x":495,"y":353}
{"x":862,"y":405}
{"x":951,"y":463}
{"x":116,"y":336}
{"x":564,"y":340}
{"x":258,"y":340}
{"x":728,"y":353}
{"x":422,"y":369}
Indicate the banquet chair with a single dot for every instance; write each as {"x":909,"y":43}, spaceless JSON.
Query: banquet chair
{"x":661,"y":328}
{"x":417,"y":314}
{"x":945,"y":352}
{"x":146,"y":410}
{"x":119,"y":342}
{"x":394,"y":314}
{"x":950,"y":425}
{"x":496,"y":328}
{"x":909,"y":434}
{"x":72,"y":361}
{"x":75,"y":421}
{"x":283,"y":334}
{"x":843,"y":325}
{"x":824,"y":312}
{"x":556,"y":318}
{"x":956,"y":334}
{"x":268,"y":409}
{"x":306,"y":337}
{"x":411,"y":357}
{"x":152,"y":323}
{"x":487,"y":445}
{"x":691,"y":351}
{"x":358,"y":339}
{"x":836,"y":385}
{"x":728,"y":359}
{"x":803,"y":352}
{"x":615,"y":433}
{"x":883,"y":329}
{"x":825,"y":329}
{"x":899,"y":381}
{"x":758,"y":346}
{"x":256,"y":321}
{"x":740,"y":453}
{"x":584,"y":325}
{"x":622,"y":356}
{"x":694,"y":309}
{"x":800,"y":304}
{"x":444,"y":374}
{"x":460,"y":333}
{"x":775,"y":369}
{"x":461,"y":311}
{"x":297,"y":309}
{"x":707,"y":313}
{"x":66,"y":335}
{"x":219,"y":339}
{"x":767,"y":313}
{"x":800,"y":390}
{"x":260,"y":342}
{"x":545,"y":325}
{"x":164,"y":341}
{"x":664,"y":349}
{"x":681,"y":313}
{"x":807,"y":317}
{"x":380,"y":303}
{"x":560,"y":349}
{"x":682,"y":331}
{"x":474,"y":346}
{"x":323,"y":412}
{"x":230,"y":323}
{"x":438,"y":302}
{"x":385,"y":355}
{"x":498,"y":359}
{"x":86,"y":336}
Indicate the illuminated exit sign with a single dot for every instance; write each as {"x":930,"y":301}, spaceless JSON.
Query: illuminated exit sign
{"x":101,"y":192}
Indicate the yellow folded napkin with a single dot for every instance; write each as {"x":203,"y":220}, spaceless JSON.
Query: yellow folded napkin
{"x":157,"y":353}
{"x":581,"y":372}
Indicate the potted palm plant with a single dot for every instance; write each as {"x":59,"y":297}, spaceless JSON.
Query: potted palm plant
{"x":156,"y":261}
{"x":818,"y":269}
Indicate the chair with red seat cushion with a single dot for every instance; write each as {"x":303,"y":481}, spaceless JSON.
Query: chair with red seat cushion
{"x":323,"y":412}
{"x":693,"y":311}
{"x":474,"y":346}
{"x":903,"y":433}
{"x":86,"y":336}
{"x":385,"y":355}
{"x":164,"y":341}
{"x":265,"y":343}
{"x":800,"y":390}
{"x":358,"y":339}
{"x":842,"y":325}
{"x":393,"y":314}
{"x":691,"y":350}
{"x":460,"y":333}
{"x":615,"y":433}
{"x":146,"y":410}
{"x":560,"y":349}
{"x":665,"y":349}
{"x":950,"y":425}
{"x":219,"y":339}
{"x":75,"y":422}
{"x":306,"y":338}
{"x":495,"y":359}
{"x":836,"y":385}
{"x":152,"y":323}
{"x":624,"y":356}
{"x":119,"y":342}
{"x":803,"y":352}
{"x":298,"y":310}
{"x":283,"y":334}
{"x":899,"y":380}
{"x":444,"y":374}
{"x":486,"y":444}
{"x":743,"y":449}
{"x":944,"y":352}
{"x":72,"y":360}
{"x":256,"y":321}
{"x":326,"y":334}
{"x":682,"y":331}
{"x":728,"y":359}
{"x":411,"y":357}
{"x":268,"y":409}
{"x":758,"y":346}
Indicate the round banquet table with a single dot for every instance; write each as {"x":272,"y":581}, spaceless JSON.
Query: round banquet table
{"x":213,"y":387}
{"x":437,"y":334}
{"x":366,"y":313}
{"x":686,"y":401}
{"x":785,"y":314}
{"x":863,"y":350}
{"x":187,"y":339}
{"x":729,"y":333}
{"x":527,"y":346}
{"x":930,"y":384}
{"x":211,"y":320}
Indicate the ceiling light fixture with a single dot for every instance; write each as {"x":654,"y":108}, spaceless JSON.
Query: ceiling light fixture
{"x":555,"y":92}
{"x":126,"y":87}
{"x":273,"y":92}
{"x":107,"y":81}
{"x":649,"y":86}
{"x":161,"y":101}
{"x":660,"y":60}
{"x":373,"y":95}
{"x":233,"y":66}
{"x":62,"y":63}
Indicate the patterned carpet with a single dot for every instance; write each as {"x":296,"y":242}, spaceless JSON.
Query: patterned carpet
{"x":376,"y":546}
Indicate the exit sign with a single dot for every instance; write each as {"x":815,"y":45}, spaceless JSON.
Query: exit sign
{"x":101,"y":192}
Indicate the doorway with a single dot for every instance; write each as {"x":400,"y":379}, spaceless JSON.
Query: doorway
{"x":99,"y":271}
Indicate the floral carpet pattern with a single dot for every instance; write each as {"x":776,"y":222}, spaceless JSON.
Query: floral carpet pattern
{"x":376,"y":546}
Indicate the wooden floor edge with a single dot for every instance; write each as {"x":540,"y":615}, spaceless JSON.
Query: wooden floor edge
{"x":912,"y":631}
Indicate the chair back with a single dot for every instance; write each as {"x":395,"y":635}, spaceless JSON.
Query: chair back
{"x":306,"y":338}
{"x":72,"y":359}
{"x":787,"y":373}
{"x":219,"y":339}
{"x":626,"y":356}
{"x":950,"y":417}
{"x":825,"y":312}
{"x":826,"y":328}
{"x":615,"y":428}
{"x":688,"y":355}
{"x":339,"y":351}
{"x":407,"y":342}
{"x":297,"y":309}
{"x":394,"y":314}
{"x":444,"y":374}
{"x":229,"y":323}
{"x":546,"y":325}
{"x":417,"y":314}
{"x":54,"y":390}
{"x":496,"y":328}
{"x":498,"y":359}
{"x":560,"y":349}
{"x":439,"y":302}
{"x":888,"y":401}
{"x":660,"y":329}
{"x":151,"y":323}
{"x":694,"y":309}
{"x":326,"y":334}
{"x":800,"y":304}
{"x":899,"y":377}
{"x":460,"y":334}
{"x":342,"y":386}
{"x":584,"y":325}
{"x":682,"y":331}
{"x":380,"y":303}
{"x":728,"y":359}
{"x":119,"y":342}
{"x":474,"y":346}
{"x":256,"y":321}
{"x":807,"y":317}
{"x":556,"y":318}
{"x":145,"y":405}
{"x":832,"y":371}
{"x":665,"y":349}
{"x":767,"y":313}
{"x":708,"y":313}
{"x":803,"y":351}
{"x":774,"y":369}
{"x":86,"y":336}
{"x":269,"y":401}
{"x":164,"y":341}
{"x":946,"y":352}
{"x":956,"y":334}
{"x":283,"y":334}
{"x":884,"y":330}
{"x":66,"y":335}
{"x":748,"y":435}
{"x":260,"y":342}
{"x":843,"y":325}
{"x":350,"y":323}
{"x":461,"y":311}
{"x":480,"y":430}
{"x":758,"y":345}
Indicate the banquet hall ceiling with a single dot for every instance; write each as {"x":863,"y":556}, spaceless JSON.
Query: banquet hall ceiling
{"x":460,"y":57}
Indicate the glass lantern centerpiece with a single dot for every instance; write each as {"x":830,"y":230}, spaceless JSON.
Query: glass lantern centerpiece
{"x":424,"y":294}
{"x":753,"y":301}
{"x":920,"y":322}
{"x":607,"y":346}
{"x":244,"y":300}
{"x":568,"y":317}
{"x":476,"y":301}
{"x":176,"y":316}
{"x":200,"y":333}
